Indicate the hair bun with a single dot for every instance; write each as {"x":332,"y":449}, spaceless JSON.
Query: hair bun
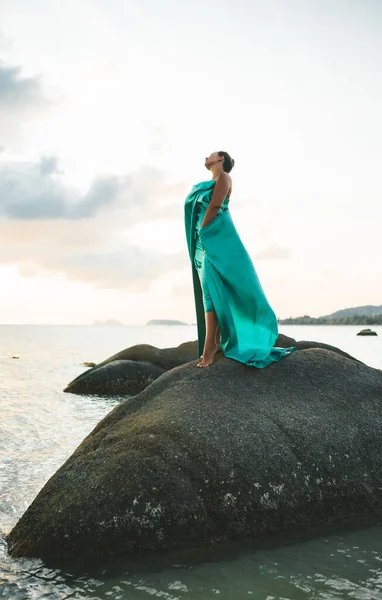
{"x":228,"y":162}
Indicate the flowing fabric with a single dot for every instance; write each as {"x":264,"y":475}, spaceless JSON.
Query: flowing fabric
{"x":200,"y":254}
{"x":248,"y":325}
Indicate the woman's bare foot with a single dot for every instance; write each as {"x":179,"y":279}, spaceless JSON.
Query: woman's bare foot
{"x":208,"y":356}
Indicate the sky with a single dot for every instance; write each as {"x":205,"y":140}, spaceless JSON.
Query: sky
{"x":107,"y":111}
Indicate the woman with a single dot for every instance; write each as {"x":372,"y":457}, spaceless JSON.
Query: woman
{"x":231,"y":307}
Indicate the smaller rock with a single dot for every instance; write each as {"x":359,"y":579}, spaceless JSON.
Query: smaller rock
{"x":367,"y":332}
{"x":128,"y":372}
{"x":15,"y":357}
{"x":118,"y":378}
{"x":89,"y":364}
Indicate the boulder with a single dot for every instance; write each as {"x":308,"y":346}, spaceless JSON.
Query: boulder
{"x":117,"y":378}
{"x":367,"y":332}
{"x":305,"y":345}
{"x":130,"y":371}
{"x":210,"y":455}
{"x":166,"y":358}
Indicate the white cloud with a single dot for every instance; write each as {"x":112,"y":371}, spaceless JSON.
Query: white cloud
{"x":49,"y":228}
{"x":21,"y":99}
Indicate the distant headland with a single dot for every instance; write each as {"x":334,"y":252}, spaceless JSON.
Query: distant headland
{"x":165,"y":322}
{"x":360,"y":315}
{"x":109,"y":323}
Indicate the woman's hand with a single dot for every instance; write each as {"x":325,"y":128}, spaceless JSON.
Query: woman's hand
{"x":221,"y":189}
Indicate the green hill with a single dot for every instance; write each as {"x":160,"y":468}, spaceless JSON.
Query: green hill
{"x":364,"y":311}
{"x":360,"y":315}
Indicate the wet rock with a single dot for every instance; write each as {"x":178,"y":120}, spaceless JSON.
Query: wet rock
{"x":367,"y":332}
{"x":211,"y":455}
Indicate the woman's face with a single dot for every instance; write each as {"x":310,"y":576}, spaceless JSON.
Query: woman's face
{"x":212,"y":159}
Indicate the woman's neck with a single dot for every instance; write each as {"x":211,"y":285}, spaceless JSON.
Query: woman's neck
{"x":216,"y":173}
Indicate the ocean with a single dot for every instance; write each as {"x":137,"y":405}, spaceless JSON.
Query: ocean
{"x":41,"y":426}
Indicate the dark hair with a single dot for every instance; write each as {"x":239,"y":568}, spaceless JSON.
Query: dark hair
{"x":228,"y":162}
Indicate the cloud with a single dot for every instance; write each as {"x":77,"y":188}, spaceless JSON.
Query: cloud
{"x":30,"y":191}
{"x":5,"y":42}
{"x":86,"y":251}
{"x":49,"y":165}
{"x":36,"y":191}
{"x":126,"y":267}
{"x":21,"y":98}
{"x":274,"y":251}
{"x":49,"y":228}
{"x":17,"y":91}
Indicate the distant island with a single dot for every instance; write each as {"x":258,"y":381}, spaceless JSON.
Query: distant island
{"x":360,"y":315}
{"x":109,"y":323}
{"x":165,"y":322}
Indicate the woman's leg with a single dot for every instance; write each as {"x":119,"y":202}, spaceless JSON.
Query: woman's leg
{"x":212,"y":328}
{"x":217,"y":336}
{"x":210,"y":345}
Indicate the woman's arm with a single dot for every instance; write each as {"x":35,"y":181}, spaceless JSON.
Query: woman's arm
{"x":222,"y":186}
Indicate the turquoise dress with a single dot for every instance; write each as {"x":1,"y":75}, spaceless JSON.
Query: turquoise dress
{"x":200,"y":255}
{"x":224,"y":275}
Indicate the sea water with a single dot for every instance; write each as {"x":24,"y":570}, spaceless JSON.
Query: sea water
{"x":40,"y":427}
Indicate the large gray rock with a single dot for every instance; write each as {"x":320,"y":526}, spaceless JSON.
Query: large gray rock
{"x":132,"y":370}
{"x":215,"y":454}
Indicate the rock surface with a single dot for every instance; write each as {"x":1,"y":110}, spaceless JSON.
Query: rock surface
{"x":305,"y":345}
{"x":367,"y":332}
{"x":211,"y":455}
{"x":118,"y":378}
{"x":132,"y":370}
